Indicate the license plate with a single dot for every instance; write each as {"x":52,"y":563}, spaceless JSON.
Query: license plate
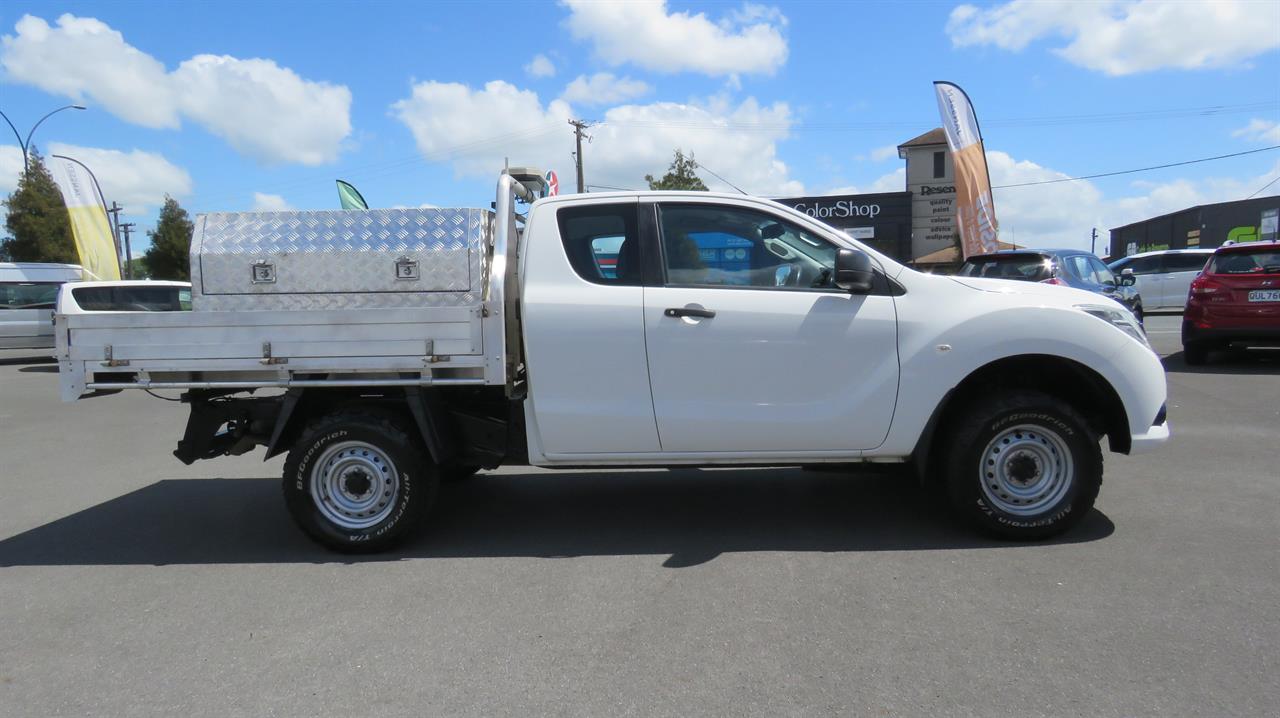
{"x":1264,"y":295}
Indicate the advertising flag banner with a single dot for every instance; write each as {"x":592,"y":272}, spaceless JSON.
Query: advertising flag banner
{"x":95,"y":242}
{"x":349,"y":197}
{"x":975,"y":207}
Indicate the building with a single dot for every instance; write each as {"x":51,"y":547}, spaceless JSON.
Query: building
{"x":931,"y":182}
{"x":906,"y":225}
{"x":1206,"y":225}
{"x":882,"y":221}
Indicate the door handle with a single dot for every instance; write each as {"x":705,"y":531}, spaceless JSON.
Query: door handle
{"x":688,"y":312}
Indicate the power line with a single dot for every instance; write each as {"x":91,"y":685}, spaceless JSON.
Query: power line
{"x":1140,"y":169}
{"x":1034,"y":121}
{"x":1273,"y":181}
{"x":699,"y":165}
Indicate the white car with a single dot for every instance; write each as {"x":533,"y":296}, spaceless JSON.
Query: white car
{"x":621,"y":330}
{"x":1164,"y":277}
{"x":28,"y":291}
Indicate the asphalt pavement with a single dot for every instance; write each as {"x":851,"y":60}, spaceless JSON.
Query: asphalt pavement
{"x":131,"y":585}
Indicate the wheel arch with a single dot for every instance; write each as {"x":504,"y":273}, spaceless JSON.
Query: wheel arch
{"x":424,"y":408}
{"x":1071,"y":381}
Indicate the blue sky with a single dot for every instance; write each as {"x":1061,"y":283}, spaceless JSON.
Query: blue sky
{"x":233,"y":105}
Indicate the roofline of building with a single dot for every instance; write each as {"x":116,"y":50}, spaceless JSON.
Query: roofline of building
{"x":1189,"y":209}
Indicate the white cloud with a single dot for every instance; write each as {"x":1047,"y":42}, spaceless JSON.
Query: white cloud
{"x":895,"y":181}
{"x":880,"y":154}
{"x":136,"y":179}
{"x":603,"y":88}
{"x":475,"y":129}
{"x":10,"y":167}
{"x":644,"y":33}
{"x":540,"y":66}
{"x":1122,"y":37}
{"x":1260,"y":131}
{"x":263,"y":202}
{"x":263,"y":110}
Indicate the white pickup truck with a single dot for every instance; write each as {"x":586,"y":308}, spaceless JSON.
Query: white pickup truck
{"x":619,"y":330}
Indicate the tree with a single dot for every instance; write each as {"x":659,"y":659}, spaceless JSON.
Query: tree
{"x":680,"y":175}
{"x":38,"y":225}
{"x":168,"y":256}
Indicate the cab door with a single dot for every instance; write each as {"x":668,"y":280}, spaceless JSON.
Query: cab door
{"x":752,"y":350}
{"x":584,"y":330}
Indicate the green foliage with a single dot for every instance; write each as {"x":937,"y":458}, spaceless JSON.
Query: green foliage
{"x":38,"y":226}
{"x":680,"y":175}
{"x":169,"y":255}
{"x":138,"y":269}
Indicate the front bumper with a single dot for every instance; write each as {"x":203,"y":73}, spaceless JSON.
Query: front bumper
{"x":1155,"y":436}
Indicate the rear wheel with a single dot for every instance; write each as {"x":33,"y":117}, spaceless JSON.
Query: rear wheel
{"x":355,"y":482}
{"x":1023,"y":466}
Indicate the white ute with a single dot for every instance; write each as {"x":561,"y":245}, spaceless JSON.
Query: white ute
{"x":625,"y":329}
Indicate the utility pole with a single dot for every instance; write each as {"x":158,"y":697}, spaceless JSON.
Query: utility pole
{"x":578,"y":127}
{"x":127,"y":229}
{"x":114,"y":211}
{"x":1093,"y":243}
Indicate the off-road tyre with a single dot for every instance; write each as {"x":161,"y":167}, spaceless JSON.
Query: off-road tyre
{"x":358,"y":450}
{"x":1037,"y":430}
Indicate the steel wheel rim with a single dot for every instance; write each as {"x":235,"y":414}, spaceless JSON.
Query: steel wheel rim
{"x":355,"y":485}
{"x":1026,"y":469}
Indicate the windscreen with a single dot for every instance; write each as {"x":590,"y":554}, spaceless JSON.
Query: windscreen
{"x":1026,"y":267}
{"x":1256,"y":262}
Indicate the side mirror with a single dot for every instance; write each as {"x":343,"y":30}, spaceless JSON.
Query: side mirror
{"x":1127,"y":279}
{"x":853,"y":271}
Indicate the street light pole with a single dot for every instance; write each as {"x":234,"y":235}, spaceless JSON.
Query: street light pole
{"x":26,"y":164}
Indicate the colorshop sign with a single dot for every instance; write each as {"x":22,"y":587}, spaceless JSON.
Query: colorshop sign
{"x":839,"y":209}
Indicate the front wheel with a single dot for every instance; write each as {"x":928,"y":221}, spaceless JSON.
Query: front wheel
{"x":355,"y":482}
{"x":1022,"y":466}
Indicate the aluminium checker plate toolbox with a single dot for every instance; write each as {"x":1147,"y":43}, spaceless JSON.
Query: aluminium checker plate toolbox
{"x":339,"y":259}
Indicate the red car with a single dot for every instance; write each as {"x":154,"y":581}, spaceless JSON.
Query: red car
{"x":1235,"y":300}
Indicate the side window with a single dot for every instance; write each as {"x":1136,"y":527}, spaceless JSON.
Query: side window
{"x":705,"y":245}
{"x":1102,"y":275}
{"x":602,"y":242}
{"x":1079,"y":266}
{"x":1184,"y":262}
{"x":29,"y":295}
{"x":1144,"y":265}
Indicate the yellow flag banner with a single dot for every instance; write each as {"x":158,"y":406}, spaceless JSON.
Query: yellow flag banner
{"x":975,"y":208}
{"x":95,"y":242}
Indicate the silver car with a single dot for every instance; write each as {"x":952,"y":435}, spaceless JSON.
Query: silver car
{"x":1164,"y":277}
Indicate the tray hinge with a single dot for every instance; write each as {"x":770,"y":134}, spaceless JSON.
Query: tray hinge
{"x":432,"y":357}
{"x":108,"y":361}
{"x":267,"y":358}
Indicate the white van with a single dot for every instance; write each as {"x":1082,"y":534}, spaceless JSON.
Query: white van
{"x":28,"y":292}
{"x":1164,"y":277}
